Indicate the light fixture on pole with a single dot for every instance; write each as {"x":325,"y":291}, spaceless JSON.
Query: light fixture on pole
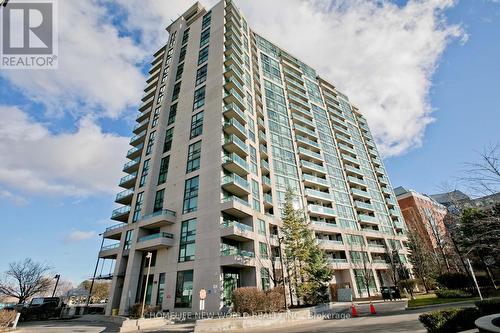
{"x":57,"y":282}
{"x":148,"y":256}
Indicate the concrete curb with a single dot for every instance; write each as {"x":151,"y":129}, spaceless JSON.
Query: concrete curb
{"x":440,"y":305}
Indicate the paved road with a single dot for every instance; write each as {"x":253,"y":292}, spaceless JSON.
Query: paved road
{"x":390,"y":317}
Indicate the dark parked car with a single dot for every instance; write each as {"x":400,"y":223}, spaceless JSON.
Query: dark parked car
{"x":41,"y":308}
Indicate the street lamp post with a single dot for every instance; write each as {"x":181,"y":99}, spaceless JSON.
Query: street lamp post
{"x":148,"y":256}
{"x":57,"y":282}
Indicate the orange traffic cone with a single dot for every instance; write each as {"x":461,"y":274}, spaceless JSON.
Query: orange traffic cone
{"x":372,"y":309}
{"x":354,"y":312}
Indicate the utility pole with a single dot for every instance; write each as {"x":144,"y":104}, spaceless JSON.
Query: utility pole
{"x":148,"y":256}
{"x":57,"y":282}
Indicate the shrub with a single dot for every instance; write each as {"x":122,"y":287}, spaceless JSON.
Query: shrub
{"x":453,"y":320}
{"x":252,"y":300}
{"x":7,"y":317}
{"x":454,"y":280}
{"x":488,"y":306}
{"x":135,"y":310}
{"x":452,"y":293}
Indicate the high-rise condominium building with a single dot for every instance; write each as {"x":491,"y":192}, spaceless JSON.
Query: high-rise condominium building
{"x":227,"y":123}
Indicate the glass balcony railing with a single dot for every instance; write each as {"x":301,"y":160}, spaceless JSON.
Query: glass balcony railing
{"x":131,"y":164}
{"x":319,"y":194}
{"x":235,"y":82}
{"x":156,"y":236}
{"x":303,"y":120}
{"x":309,"y":153}
{"x":134,"y":150}
{"x":236,"y":109}
{"x":347,"y":148}
{"x":313,"y":166}
{"x":124,"y":194}
{"x":141,"y":124}
{"x":367,"y":218}
{"x":237,"y":141}
{"x":110,"y":247}
{"x":234,"y":178}
{"x":376,"y":245}
{"x":316,"y":180}
{"x":233,"y":122}
{"x":120,"y":211}
{"x":236,"y":224}
{"x":325,"y":224}
{"x":137,"y":137}
{"x":321,"y":210}
{"x":353,"y":169}
{"x":234,"y":94}
{"x":337,"y":260}
{"x":237,"y":252}
{"x":330,"y":242}
{"x":113,"y":227}
{"x":264,"y":164}
{"x":235,"y":199}
{"x":234,"y":158}
{"x":364,"y":205}
{"x":350,"y":158}
{"x":361,"y":193}
{"x":162,"y":212}
{"x":266,"y":181}
{"x":128,"y":178}
{"x":307,"y":141}
{"x":268,"y":198}
{"x":355,"y":180}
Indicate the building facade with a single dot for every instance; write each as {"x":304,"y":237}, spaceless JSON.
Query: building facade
{"x":227,"y":123}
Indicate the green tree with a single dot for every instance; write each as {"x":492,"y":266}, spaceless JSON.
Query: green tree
{"x":306,"y":264}
{"x":423,"y":261}
{"x":100,"y":290}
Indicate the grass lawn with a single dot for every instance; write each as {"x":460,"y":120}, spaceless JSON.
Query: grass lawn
{"x":430,"y":299}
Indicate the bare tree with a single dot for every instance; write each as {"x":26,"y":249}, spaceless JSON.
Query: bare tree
{"x":483,"y":177}
{"x":362,"y":264}
{"x":423,"y":261}
{"x":25,"y":279}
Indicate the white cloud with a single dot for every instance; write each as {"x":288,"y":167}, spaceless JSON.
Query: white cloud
{"x":97,"y":67}
{"x":80,"y":235}
{"x":383,"y":56}
{"x":85,"y":162}
{"x":12,"y":197}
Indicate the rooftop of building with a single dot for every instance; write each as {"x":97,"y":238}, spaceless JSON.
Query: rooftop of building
{"x":402,"y":192}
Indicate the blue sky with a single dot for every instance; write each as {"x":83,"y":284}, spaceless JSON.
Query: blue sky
{"x":54,"y":208}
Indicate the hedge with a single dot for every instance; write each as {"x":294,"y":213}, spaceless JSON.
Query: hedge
{"x":254,"y":300}
{"x":488,"y":306}
{"x":453,"y":320}
{"x":452,"y":293}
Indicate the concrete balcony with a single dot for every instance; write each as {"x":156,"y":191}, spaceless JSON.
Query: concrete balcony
{"x":141,"y":126}
{"x":367,"y":219}
{"x":313,"y":181}
{"x":236,"y":207}
{"x":357,"y":193}
{"x":307,"y":154}
{"x":338,"y":263}
{"x":316,"y":210}
{"x":303,"y":121}
{"x":304,"y":131}
{"x":364,"y":206}
{"x":266,"y":183}
{"x":312,"y":167}
{"x":141,"y":116}
{"x":237,"y":258}
{"x":156,"y":241}
{"x":233,"y":111}
{"x":109,"y":251}
{"x":318,"y":195}
{"x":114,"y":232}
{"x":236,"y":231}
{"x":135,"y":151}
{"x":158,"y":219}
{"x":328,"y":244}
{"x":268,"y":201}
{"x":234,"y":97}
{"x":304,"y":142}
{"x":125,"y":197}
{"x":263,"y":151}
{"x":132,"y":166}
{"x":232,"y":83}
{"x":234,"y":144}
{"x":235,"y":185}
{"x":138,"y":138}
{"x":346,"y":148}
{"x":349,"y":158}
{"x":342,"y":130}
{"x":376,"y":247}
{"x":351,"y":170}
{"x":324,"y":226}
{"x":235,"y":73}
{"x":234,"y":127}
{"x":121,"y":214}
{"x":356,"y":181}
{"x":264,"y":167}
{"x":128,"y":181}
{"x":235,"y":164}
{"x":147,"y":103}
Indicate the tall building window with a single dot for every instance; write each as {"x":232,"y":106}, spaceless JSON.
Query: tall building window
{"x":144,"y":174}
{"x":264,"y":278}
{"x":156,"y":116}
{"x":172,"y":39}
{"x":185,"y":36}
{"x":151,"y":141}
{"x":180,"y":70}
{"x":176,"y":91}
{"x":158,"y":200}
{"x":256,"y":195}
{"x":182,"y":54}
{"x":161,"y":289}
{"x":167,"y":144}
{"x":128,"y":239}
{"x":172,"y":113}
{"x":138,"y":207}
{"x":199,"y":98}
{"x":194,"y":154}
{"x":196,"y":125}
{"x":184,"y":289}
{"x":201,"y":75}
{"x":203,"y":55}
{"x":206,"y":20}
{"x":187,"y":241}
{"x":205,"y":37}
{"x":262,"y":227}
{"x":169,"y":58}
{"x":191,"y":195}
{"x":263,"y":250}
{"x":165,"y":75}
{"x":162,"y":176}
